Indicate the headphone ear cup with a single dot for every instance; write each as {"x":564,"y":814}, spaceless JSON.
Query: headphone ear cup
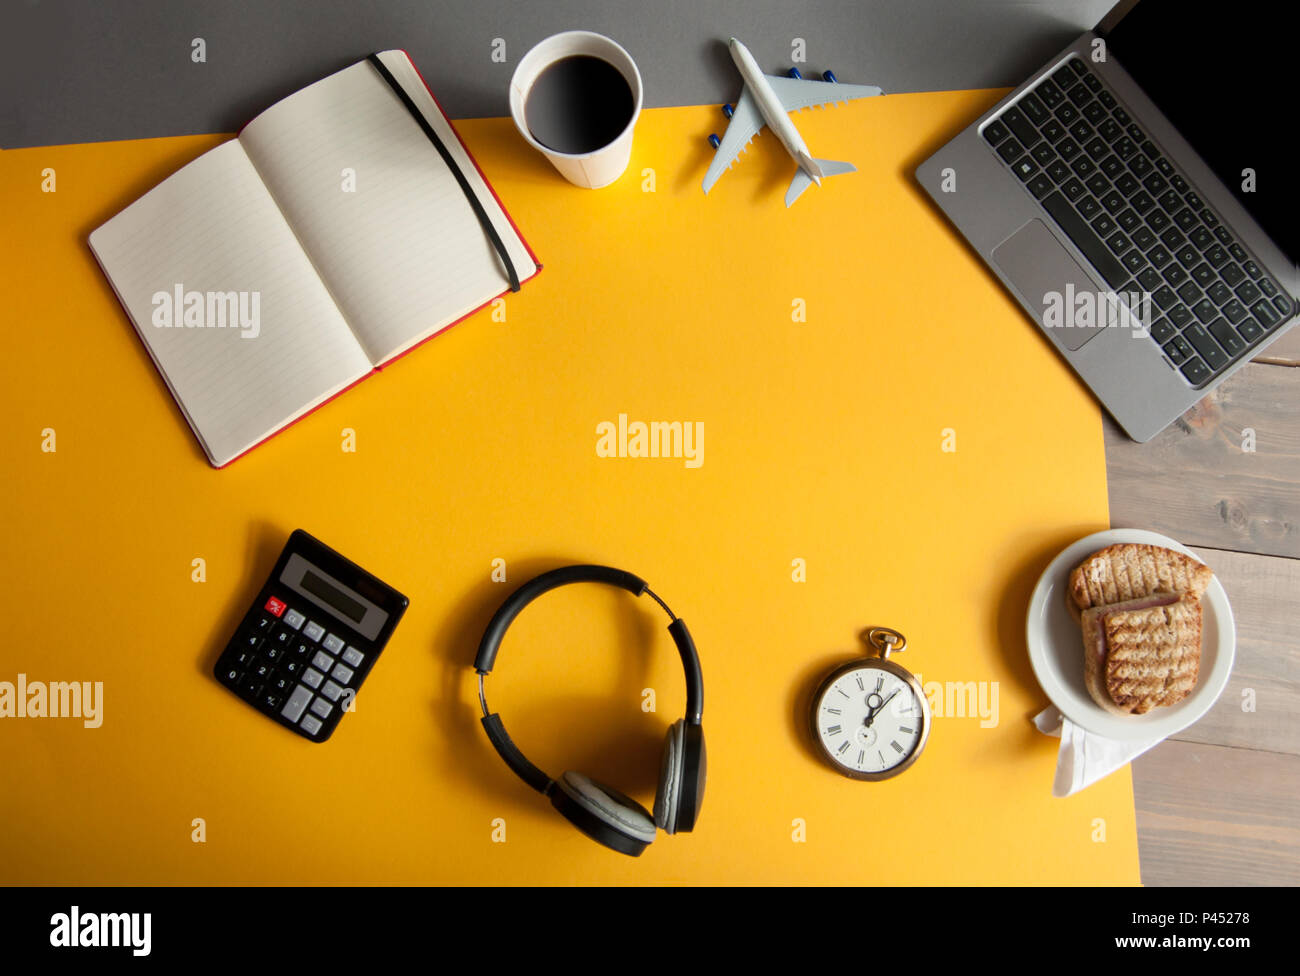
{"x":603,"y":813}
{"x":668,"y":797}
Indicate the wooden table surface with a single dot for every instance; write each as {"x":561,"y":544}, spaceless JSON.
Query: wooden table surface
{"x":1219,"y":803}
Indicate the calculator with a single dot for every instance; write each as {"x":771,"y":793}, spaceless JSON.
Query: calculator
{"x":310,"y":638}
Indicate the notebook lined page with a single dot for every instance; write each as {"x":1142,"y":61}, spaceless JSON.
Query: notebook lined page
{"x":403,"y":253}
{"x":212,"y":227}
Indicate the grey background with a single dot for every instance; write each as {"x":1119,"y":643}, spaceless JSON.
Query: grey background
{"x":87,"y":71}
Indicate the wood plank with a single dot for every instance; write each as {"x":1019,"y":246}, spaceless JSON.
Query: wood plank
{"x":1264,"y":592}
{"x":1210,"y":815}
{"x":1284,"y":352}
{"x":1194,"y":481}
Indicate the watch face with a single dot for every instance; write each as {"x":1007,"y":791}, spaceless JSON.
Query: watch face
{"x":870,"y":719}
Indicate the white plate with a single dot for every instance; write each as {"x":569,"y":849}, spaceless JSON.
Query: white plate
{"x":1056,"y":647}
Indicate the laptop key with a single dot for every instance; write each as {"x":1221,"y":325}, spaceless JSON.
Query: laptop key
{"x":1265,"y":313}
{"x":1033,"y":107}
{"x":1113,"y":168}
{"x":1024,"y":167}
{"x":1073,"y":188}
{"x":1179,"y":183}
{"x":1140,"y":165}
{"x":1144,"y":237}
{"x":1129,"y":219}
{"x":1220,"y":232}
{"x":1201,"y":237}
{"x":1040,"y":186}
{"x":1150,"y":149}
{"x":1107,"y":99}
{"x":1175,"y":274}
{"x":1178,"y":350}
{"x":1133,"y":260}
{"x":1283,"y":306}
{"x":1156,"y":185}
{"x":1218,"y":257}
{"x":1190,"y":293}
{"x":1068,"y":148}
{"x":1172,"y":237}
{"x":1250,"y":267}
{"x":1159,"y":256}
{"x":1195,"y":370}
{"x":1250,"y":330}
{"x":1124,"y":147}
{"x":1219,"y":293}
{"x":1082,"y":132}
{"x":1187,"y":256}
{"x":1103,"y":225}
{"x":1009,"y":149}
{"x":1226,"y":336}
{"x":1095,"y":112}
{"x":1077,"y":67}
{"x":1237,"y":251}
{"x":1207,"y":215}
{"x":1164,"y":167}
{"x":1043,"y":152}
{"x":1088,"y":206}
{"x":1114,"y":202}
{"x":1066,"y":112}
{"x":1083,"y":166}
{"x":1097,"y":184}
{"x":1205,"y":310}
{"x":1135,"y":133}
{"x":1093,"y":84}
{"x":1079,"y":94}
{"x":1110,"y":130}
{"x":1141,"y":201}
{"x":1265,"y":285}
{"x":1180,"y":315}
{"x":1020,"y":126}
{"x":1205,"y":345}
{"x":1162,"y":331}
{"x":1118,"y":243}
{"x":1058,"y":171}
{"x":1203,"y":274}
{"x":1165,"y":298}
{"x":1157,"y":220}
{"x":1248,"y":293}
{"x":1084,"y":239}
{"x":1095,"y":147}
{"x":1234,"y":311}
{"x":1170,"y":200}
{"x":1049,"y":93}
{"x":1193,"y":201}
{"x":1053,"y":131}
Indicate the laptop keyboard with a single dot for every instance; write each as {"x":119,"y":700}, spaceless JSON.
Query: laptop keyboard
{"x":1138,"y":220}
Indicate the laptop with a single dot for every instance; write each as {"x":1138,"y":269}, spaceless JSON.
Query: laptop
{"x":1137,"y":197}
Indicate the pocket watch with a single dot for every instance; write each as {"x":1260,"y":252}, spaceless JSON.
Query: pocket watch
{"x":870,"y":718}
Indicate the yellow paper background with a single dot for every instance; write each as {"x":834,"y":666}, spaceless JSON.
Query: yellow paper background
{"x":822,"y":443}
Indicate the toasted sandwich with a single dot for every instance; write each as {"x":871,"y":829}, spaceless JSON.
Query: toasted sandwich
{"x":1142,"y":653}
{"x":1130,"y":571}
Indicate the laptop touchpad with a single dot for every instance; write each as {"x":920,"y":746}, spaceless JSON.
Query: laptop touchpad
{"x":1047,"y":278}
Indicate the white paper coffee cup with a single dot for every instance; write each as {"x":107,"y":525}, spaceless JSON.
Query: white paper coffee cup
{"x":602,"y":166}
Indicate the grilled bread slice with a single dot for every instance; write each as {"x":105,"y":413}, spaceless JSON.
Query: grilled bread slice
{"x":1144,"y":653}
{"x":1129,"y":571}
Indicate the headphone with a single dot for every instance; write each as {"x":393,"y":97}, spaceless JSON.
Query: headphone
{"x":601,"y":812}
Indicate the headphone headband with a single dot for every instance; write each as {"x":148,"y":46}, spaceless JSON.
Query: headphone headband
{"x":485,"y":659}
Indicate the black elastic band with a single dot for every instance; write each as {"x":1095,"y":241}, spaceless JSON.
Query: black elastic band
{"x":470,"y":195}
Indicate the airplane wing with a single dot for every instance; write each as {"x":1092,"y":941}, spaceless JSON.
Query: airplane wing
{"x":797,"y":93}
{"x":745,"y":124}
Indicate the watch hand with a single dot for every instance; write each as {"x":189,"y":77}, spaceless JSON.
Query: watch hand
{"x":871,"y":717}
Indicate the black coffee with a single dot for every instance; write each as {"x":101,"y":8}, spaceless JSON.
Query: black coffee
{"x":578,"y":105}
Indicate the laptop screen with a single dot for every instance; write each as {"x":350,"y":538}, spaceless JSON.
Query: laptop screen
{"x":1219,"y":77}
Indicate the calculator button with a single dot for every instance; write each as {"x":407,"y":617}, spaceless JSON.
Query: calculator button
{"x":301,"y":648}
{"x":271,"y":699}
{"x":331,"y":691}
{"x":264,"y":623}
{"x":310,"y":724}
{"x":246,"y":658}
{"x":262,"y":670}
{"x":282,"y":683}
{"x":281,"y":637}
{"x":333,"y":644}
{"x":342,"y":672}
{"x":297,"y":703}
{"x":233,"y":675}
{"x":251,"y":641}
{"x":272,"y":653}
{"x":293,"y":620}
{"x":322,"y":708}
{"x":323,"y":661}
{"x":292,"y":666}
{"x":252,"y":687}
{"x":313,"y":630}
{"x":313,"y":677}
{"x":275,"y":607}
{"x":353,"y":656}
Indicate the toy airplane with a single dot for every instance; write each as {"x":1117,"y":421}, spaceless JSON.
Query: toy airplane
{"x":768,"y":99}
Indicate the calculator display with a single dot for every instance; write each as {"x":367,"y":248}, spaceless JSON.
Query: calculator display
{"x":335,"y":597}
{"x":327,"y":591}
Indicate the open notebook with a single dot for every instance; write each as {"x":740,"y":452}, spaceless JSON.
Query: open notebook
{"x":285,"y":265}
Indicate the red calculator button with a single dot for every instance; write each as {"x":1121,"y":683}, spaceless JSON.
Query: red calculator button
{"x":275,"y":606}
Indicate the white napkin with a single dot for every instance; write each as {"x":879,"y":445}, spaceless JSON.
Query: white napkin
{"x":1085,"y":757}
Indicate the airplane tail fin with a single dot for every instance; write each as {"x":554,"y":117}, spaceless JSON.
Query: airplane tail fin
{"x":801,"y":181}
